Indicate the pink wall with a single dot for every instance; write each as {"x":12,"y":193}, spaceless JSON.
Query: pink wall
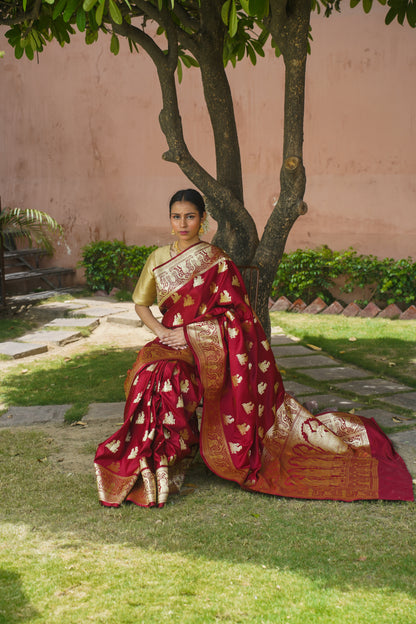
{"x":81,"y":139}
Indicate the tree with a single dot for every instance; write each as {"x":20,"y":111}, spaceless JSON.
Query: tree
{"x":207,"y":34}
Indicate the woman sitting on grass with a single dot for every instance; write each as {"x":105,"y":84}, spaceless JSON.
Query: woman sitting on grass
{"x":210,"y":345}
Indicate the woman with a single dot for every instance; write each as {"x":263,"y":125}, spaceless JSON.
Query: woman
{"x":210,"y":345}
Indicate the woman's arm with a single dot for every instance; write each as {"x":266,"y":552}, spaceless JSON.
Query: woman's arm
{"x":174,"y":338}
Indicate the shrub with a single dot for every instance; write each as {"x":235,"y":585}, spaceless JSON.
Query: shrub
{"x":110,"y":264}
{"x":310,"y":273}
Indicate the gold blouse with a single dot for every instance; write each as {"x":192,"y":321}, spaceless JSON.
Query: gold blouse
{"x":145,"y":291}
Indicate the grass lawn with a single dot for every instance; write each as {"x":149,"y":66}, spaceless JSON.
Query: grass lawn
{"x":385,"y":347}
{"x":218,"y":554}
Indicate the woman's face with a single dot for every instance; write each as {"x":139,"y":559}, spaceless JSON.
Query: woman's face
{"x":185,"y":221}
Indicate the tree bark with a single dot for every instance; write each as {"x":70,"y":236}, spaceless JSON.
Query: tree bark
{"x":288,"y":24}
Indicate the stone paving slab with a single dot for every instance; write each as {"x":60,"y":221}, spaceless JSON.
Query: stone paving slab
{"x":102,"y":411}
{"x":18,"y":416}
{"x":369,"y":387}
{"x":298,"y":389}
{"x":63,"y":305}
{"x":291,"y":350}
{"x":98,"y":311}
{"x":281,"y":339}
{"x":89,"y":323}
{"x":20,"y":349}
{"x":129,"y":318}
{"x":387,"y":419}
{"x":335,"y":373}
{"x":405,"y":444}
{"x":53,"y":337}
{"x":304,"y":361}
{"x":334,"y":402}
{"x":407,"y":400}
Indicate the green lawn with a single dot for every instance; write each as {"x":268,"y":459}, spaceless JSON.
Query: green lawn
{"x":385,"y":347}
{"x":218,"y":554}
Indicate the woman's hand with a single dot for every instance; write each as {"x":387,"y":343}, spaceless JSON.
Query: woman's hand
{"x":174,"y":338}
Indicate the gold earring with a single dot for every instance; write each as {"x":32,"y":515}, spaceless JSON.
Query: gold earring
{"x":173,"y":231}
{"x":201,"y":229}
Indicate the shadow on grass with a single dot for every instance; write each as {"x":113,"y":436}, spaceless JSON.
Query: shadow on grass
{"x":365,"y":545}
{"x":14,"y":604}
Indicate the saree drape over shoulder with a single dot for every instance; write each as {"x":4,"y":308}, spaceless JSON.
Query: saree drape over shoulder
{"x":251,"y":431}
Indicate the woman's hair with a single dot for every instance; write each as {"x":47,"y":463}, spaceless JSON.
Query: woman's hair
{"x":189,"y":195}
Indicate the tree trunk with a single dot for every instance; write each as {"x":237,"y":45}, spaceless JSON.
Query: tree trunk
{"x":289,"y":27}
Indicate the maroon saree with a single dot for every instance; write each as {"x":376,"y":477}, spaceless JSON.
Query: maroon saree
{"x":251,"y":432}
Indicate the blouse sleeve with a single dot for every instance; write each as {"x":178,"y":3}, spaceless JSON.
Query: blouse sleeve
{"x":145,"y":291}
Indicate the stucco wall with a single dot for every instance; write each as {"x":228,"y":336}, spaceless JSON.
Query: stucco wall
{"x":80,"y":139}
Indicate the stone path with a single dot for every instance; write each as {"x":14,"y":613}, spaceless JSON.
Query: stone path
{"x":325,"y":382}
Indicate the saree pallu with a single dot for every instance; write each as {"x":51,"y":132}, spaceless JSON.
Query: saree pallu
{"x":252,"y":432}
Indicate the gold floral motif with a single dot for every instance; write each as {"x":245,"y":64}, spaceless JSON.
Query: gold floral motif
{"x":167,"y":386}
{"x":213,"y":288}
{"x":177,"y":319}
{"x":198,"y":281}
{"x":169,"y":419}
{"x":235,"y":281}
{"x":182,"y":443}
{"x":175,"y":297}
{"x":228,"y":419}
{"x":225,"y":297}
{"x":246,"y":299}
{"x":180,"y":401}
{"x":243,"y":428}
{"x":166,"y":434}
{"x":236,"y":379}
{"x":233,"y":332}
{"x":260,"y":431}
{"x":242,"y":358}
{"x":249,"y":345}
{"x":185,"y":386}
{"x":113,"y":446}
{"x":138,"y":398}
{"x":263,"y":366}
{"x":222,"y":266}
{"x":140,"y":418}
{"x":261,"y":387}
{"x":133,"y":453}
{"x":265,"y":344}
{"x":261,"y":410}
{"x":248,"y":407}
{"x":276,"y":386}
{"x":188,"y":301}
{"x":235,"y":447}
{"x":151,"y":368}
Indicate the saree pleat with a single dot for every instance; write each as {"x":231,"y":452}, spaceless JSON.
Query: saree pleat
{"x":252,"y":432}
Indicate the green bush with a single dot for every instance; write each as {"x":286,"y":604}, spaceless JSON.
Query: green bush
{"x":310,"y":273}
{"x":110,"y":264}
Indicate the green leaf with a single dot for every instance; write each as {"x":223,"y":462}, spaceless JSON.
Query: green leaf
{"x":225,"y":11}
{"x":391,"y":14}
{"x":88,"y":4}
{"x":251,"y":53}
{"x":115,"y":12}
{"x":411,"y":14}
{"x":59,"y":7}
{"x":367,"y":4}
{"x":29,"y":52}
{"x":232,"y":28}
{"x":115,"y":44}
{"x":99,"y":13}
{"x":259,"y":8}
{"x":354,"y":3}
{"x":70,"y":8}
{"x":24,"y":5}
{"x":81,"y":19}
{"x":18,"y":51}
{"x":179,"y":70}
{"x":246,"y":6}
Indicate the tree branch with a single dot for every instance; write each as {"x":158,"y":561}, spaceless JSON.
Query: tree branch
{"x":33,"y":14}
